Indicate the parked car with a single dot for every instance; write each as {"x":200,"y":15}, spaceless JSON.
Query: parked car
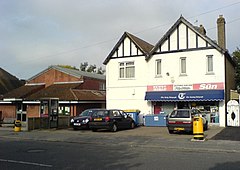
{"x":82,"y":120}
{"x":182,"y":120}
{"x":112,"y":120}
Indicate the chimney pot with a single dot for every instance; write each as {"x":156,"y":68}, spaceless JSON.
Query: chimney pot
{"x":202,"y":30}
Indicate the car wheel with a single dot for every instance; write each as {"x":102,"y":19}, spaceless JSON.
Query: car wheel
{"x":170,"y":131}
{"x":114,"y":128}
{"x":94,"y":130}
{"x":132,"y":125}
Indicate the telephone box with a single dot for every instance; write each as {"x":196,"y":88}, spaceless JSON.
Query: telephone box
{"x":49,"y":112}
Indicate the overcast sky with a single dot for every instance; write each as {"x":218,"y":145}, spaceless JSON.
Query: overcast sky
{"x":35,"y":34}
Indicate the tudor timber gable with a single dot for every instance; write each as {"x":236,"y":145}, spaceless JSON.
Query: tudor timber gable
{"x":129,"y":46}
{"x":183,"y":36}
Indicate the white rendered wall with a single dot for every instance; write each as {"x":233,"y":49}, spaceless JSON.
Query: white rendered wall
{"x":127,"y":93}
{"x":196,"y":66}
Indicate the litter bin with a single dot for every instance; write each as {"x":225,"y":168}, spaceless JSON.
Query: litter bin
{"x":198,"y":128}
{"x":134,"y":113}
{"x":17,"y":126}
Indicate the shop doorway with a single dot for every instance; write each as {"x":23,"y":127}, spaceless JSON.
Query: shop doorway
{"x":157,"y":108}
{"x":183,"y":105}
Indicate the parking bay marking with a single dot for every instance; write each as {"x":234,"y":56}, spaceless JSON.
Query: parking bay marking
{"x":27,"y":163}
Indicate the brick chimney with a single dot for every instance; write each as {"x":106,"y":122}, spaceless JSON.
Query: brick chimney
{"x":221,"y":32}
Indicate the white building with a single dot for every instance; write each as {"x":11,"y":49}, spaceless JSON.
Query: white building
{"x":184,"y":69}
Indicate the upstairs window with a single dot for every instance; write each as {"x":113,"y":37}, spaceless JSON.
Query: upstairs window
{"x":158,"y":66}
{"x":209,"y":64}
{"x":183,"y":66}
{"x":126,"y":70}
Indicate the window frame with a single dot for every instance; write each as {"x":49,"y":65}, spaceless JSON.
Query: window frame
{"x":125,"y":71}
{"x":209,"y":65}
{"x":158,"y":67}
{"x":183,"y":71}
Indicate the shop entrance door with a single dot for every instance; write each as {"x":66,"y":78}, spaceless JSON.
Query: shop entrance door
{"x":157,"y":108}
{"x":22,"y":115}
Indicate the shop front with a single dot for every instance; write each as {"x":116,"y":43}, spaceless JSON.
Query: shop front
{"x":208,"y":101}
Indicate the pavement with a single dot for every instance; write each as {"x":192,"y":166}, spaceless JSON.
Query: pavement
{"x":157,"y":137}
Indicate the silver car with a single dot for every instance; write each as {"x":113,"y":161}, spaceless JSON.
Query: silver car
{"x":182,"y":120}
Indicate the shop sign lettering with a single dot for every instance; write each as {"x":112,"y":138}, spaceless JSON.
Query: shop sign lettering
{"x":207,"y":86}
{"x":160,"y":88}
{"x":183,"y":87}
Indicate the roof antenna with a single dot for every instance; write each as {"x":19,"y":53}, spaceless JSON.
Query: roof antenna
{"x":195,"y":22}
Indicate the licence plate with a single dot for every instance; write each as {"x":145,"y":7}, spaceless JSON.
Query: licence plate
{"x":178,"y":129}
{"x":98,"y":119}
{"x":77,"y":124}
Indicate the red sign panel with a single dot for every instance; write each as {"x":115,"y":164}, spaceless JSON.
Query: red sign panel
{"x":200,"y":86}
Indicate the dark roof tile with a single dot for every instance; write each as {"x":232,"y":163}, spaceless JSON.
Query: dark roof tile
{"x":23,"y":91}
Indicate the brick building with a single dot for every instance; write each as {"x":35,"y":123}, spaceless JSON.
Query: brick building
{"x":74,"y":90}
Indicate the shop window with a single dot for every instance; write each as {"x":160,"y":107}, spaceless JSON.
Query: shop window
{"x":64,"y":110}
{"x":21,"y":107}
{"x":126,"y":70}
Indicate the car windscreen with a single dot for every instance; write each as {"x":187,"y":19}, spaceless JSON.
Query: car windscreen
{"x":101,"y":113}
{"x":180,"y":114}
{"x":87,"y":113}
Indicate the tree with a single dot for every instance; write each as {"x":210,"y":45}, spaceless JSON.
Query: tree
{"x":92,"y":68}
{"x":101,"y":70}
{"x":83,"y":66}
{"x":68,"y":66}
{"x":236,"y":56}
{"x":86,"y":67}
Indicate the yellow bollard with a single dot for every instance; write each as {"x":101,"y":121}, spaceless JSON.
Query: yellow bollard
{"x":198,"y":128}
{"x":17,"y":126}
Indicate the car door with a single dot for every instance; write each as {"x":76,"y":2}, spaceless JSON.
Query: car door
{"x":117,"y":117}
{"x":126,"y":120}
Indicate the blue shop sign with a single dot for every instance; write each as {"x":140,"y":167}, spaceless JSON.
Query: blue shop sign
{"x":195,"y":95}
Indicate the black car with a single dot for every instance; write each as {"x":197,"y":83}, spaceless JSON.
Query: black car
{"x":111,"y":119}
{"x":82,"y":120}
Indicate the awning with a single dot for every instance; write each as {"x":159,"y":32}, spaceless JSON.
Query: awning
{"x":194,"y":95}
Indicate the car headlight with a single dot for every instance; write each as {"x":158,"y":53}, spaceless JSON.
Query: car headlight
{"x":72,"y":120}
{"x":85,"y":121}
